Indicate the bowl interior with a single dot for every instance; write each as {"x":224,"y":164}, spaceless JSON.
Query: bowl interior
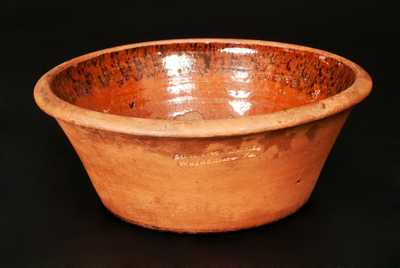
{"x":201,"y":80}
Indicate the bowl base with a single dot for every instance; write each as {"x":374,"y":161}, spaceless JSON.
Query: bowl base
{"x":203,"y":231}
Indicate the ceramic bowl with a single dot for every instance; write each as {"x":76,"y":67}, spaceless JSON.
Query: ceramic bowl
{"x":203,"y":135}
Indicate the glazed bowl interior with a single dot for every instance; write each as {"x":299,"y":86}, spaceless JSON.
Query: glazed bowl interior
{"x":200,"y":80}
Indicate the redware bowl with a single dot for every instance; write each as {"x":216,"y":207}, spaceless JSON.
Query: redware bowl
{"x":203,"y":135}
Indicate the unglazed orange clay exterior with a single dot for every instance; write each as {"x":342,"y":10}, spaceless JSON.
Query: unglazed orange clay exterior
{"x":203,"y":135}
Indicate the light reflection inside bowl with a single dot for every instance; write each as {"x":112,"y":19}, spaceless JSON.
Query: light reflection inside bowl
{"x":238,"y":50}
{"x":177,"y":66}
{"x":240,"y":104}
{"x":241,"y":76}
{"x":239,"y":94}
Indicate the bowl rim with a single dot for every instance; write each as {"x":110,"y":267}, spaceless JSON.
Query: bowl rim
{"x":65,"y":111}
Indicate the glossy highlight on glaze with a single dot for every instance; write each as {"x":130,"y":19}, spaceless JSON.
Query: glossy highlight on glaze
{"x":213,"y":80}
{"x":203,"y":135}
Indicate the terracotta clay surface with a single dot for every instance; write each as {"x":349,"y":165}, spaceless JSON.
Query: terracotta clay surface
{"x":203,"y":135}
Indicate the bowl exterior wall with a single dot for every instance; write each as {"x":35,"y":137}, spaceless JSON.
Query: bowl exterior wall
{"x":205,"y":184}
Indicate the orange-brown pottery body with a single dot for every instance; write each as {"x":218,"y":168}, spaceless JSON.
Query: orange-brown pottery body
{"x":203,"y":135}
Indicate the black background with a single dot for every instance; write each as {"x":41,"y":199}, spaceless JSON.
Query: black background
{"x":50,"y":214}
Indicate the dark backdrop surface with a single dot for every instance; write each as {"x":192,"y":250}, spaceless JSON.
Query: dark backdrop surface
{"x":50,"y":213}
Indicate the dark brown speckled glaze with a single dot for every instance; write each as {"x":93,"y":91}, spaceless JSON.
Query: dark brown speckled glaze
{"x":203,"y":135}
{"x":201,"y":80}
